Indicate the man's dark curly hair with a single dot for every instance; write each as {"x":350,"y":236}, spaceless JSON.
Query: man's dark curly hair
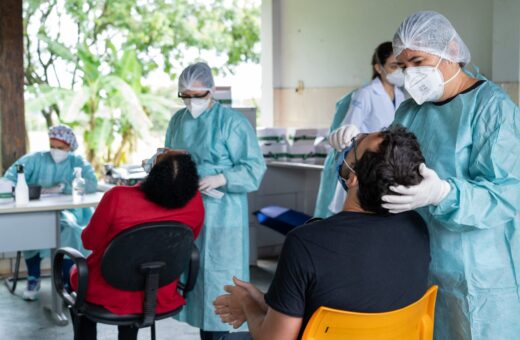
{"x":396,"y":162}
{"x":172,"y":182}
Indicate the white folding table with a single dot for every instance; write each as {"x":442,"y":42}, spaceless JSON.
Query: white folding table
{"x":37,"y":226}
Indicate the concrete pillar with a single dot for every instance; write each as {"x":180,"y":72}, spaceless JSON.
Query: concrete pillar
{"x":267,"y":32}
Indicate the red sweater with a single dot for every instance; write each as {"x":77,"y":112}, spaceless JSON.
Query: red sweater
{"x":121,"y":208}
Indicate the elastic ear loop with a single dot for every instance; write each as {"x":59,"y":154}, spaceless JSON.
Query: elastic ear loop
{"x":349,"y":167}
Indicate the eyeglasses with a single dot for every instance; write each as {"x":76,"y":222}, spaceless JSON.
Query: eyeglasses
{"x":185,"y":96}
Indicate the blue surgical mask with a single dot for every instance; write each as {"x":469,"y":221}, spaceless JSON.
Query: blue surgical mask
{"x":340,"y":163}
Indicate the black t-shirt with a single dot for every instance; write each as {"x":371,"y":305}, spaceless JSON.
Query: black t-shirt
{"x":352,"y":261}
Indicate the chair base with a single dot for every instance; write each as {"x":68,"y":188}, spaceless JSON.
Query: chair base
{"x":100,"y":314}
{"x":10,"y":282}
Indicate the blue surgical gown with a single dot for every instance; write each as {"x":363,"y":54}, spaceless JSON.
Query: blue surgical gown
{"x":221,"y":141}
{"x":473,"y":141}
{"x":40,"y":169}
{"x":369,"y":109}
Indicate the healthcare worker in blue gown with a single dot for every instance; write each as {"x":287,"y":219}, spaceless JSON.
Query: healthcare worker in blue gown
{"x":367,"y":109}
{"x":469,"y":132}
{"x":54,"y":171}
{"x":224,"y":146}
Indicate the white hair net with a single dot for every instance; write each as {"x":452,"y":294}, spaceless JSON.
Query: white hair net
{"x":197,"y":77}
{"x":431,"y":32}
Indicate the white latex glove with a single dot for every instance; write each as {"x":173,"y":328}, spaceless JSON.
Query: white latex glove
{"x":340,"y":138}
{"x":431,"y":191}
{"x":213,"y":193}
{"x":212,"y":182}
{"x":57,"y":189}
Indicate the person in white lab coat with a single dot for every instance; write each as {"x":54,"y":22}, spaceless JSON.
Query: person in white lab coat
{"x":369,"y":108}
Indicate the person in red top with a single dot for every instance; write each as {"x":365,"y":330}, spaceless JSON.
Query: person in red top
{"x":169,"y":193}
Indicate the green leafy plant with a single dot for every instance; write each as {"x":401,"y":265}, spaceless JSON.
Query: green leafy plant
{"x":94,"y":80}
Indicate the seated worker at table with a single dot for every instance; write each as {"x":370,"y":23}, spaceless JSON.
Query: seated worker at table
{"x":53,"y":170}
{"x":362,"y":259}
{"x":168,"y":193}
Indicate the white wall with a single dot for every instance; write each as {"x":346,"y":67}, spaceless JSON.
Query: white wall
{"x":328,"y":45}
{"x":506,"y":40}
{"x":506,"y":46}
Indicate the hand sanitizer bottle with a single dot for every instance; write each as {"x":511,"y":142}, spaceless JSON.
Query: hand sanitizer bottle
{"x":21,"y":190}
{"x":78,"y":186}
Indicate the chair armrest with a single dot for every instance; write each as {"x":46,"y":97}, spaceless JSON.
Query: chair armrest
{"x":76,"y":300}
{"x":193,"y":271}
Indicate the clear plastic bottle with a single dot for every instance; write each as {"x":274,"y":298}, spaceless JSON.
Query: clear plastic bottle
{"x":78,"y":186}
{"x":21,"y":190}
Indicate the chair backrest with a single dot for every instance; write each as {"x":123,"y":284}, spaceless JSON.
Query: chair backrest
{"x":165,"y":243}
{"x":413,"y":322}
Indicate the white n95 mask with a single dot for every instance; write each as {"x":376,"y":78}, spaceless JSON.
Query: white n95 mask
{"x":197,"y":106}
{"x":396,"y":78}
{"x":425,"y":83}
{"x":59,"y":155}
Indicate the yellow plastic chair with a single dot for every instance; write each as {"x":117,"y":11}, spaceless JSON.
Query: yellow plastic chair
{"x":413,"y":322}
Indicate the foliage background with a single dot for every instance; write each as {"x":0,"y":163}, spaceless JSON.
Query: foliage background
{"x":87,"y":63}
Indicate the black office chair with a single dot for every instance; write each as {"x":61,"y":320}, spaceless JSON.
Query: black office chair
{"x":142,"y":258}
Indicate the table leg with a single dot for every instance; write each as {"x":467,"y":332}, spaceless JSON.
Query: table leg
{"x":56,"y":308}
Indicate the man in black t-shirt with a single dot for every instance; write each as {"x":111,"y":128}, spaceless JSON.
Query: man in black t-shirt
{"x":362,"y":259}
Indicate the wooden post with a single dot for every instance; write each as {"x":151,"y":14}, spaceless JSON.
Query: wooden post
{"x":12,"y":119}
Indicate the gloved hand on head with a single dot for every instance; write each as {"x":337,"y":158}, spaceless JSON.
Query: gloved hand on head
{"x":212,"y":182}
{"x":431,"y":191}
{"x":340,"y":138}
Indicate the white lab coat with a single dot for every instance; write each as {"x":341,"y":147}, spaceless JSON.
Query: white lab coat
{"x":371,"y":109}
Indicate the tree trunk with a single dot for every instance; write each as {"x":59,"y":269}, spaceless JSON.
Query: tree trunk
{"x":12,"y":119}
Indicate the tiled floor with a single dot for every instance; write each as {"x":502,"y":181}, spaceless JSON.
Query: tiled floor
{"x":21,"y":320}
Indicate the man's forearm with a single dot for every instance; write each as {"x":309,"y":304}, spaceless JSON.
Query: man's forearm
{"x":263,"y":305}
{"x":260,"y":300}
{"x":255,"y":315}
